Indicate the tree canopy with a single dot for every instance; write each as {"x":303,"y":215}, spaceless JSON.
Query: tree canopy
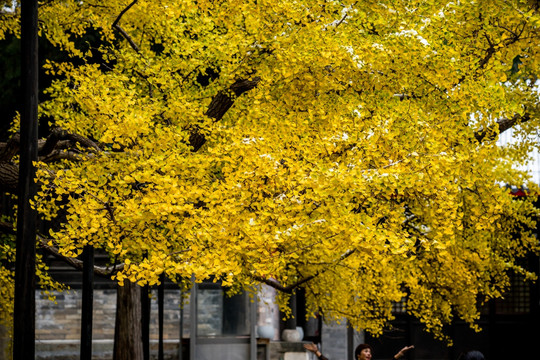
{"x":346,"y":147}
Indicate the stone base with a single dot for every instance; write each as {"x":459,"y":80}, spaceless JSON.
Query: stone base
{"x":101,"y":349}
{"x":296,"y":356}
{"x":289,"y":350}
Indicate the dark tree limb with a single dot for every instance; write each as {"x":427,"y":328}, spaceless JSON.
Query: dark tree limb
{"x":107,"y":272}
{"x":61,"y":138}
{"x":7,"y":228}
{"x":127,"y":37}
{"x":123,"y":12}
{"x":78,"y":264}
{"x":9,"y":177}
{"x":224,"y":100}
{"x":289,"y":288}
{"x":116,"y":26}
{"x":285,"y":289}
{"x":11,"y":148}
{"x":63,"y":155}
{"x":499,"y":127}
{"x":219,"y":105}
{"x":57,"y":146}
{"x":58,"y":139}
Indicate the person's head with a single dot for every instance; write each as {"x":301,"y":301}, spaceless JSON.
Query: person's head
{"x":363,"y":352}
{"x":472,"y":355}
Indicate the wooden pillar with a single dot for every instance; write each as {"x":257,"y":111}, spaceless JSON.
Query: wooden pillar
{"x":350,"y":341}
{"x":145,"y":321}
{"x":25,"y":283}
{"x":87,"y":303}
{"x":161,"y":294}
{"x":181,"y":333}
{"x":291,"y":322}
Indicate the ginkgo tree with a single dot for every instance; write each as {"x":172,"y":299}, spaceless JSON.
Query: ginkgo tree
{"x":345,"y":147}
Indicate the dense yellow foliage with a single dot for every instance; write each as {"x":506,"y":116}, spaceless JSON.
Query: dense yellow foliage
{"x":356,"y":159}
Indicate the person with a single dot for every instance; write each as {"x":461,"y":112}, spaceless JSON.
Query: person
{"x":362,"y":352}
{"x":471,"y":355}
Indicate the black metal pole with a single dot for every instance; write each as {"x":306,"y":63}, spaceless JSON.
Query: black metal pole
{"x":87,"y":303}
{"x":25,"y":281}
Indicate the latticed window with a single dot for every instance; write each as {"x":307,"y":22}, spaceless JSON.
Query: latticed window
{"x":400,"y":307}
{"x":517,"y":299}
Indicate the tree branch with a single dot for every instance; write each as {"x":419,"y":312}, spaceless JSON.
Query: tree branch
{"x":123,"y":12}
{"x":63,"y":155}
{"x":57,"y":140}
{"x":116,"y":26}
{"x":58,"y":134}
{"x":289,"y":289}
{"x":499,"y":127}
{"x":219,"y":105}
{"x":224,"y":100}
{"x":78,"y":264}
{"x":9,"y":149}
{"x":7,"y":228}
{"x":9,"y":177}
{"x":107,"y":272}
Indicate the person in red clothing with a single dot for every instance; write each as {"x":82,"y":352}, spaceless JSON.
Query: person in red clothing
{"x":362,"y":352}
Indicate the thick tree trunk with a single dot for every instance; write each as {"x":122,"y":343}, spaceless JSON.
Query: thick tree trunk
{"x":128,"y":343}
